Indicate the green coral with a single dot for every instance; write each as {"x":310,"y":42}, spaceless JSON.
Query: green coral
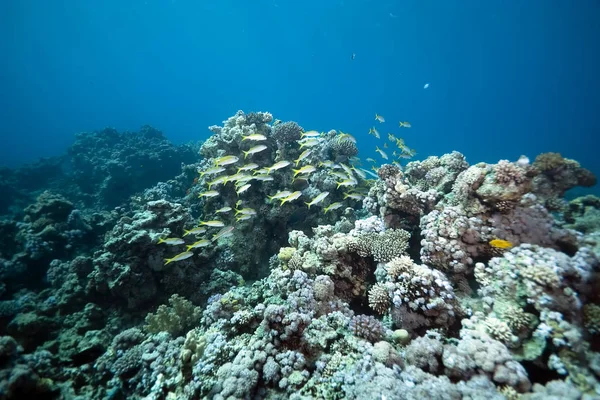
{"x":549,"y":161}
{"x":285,"y":254}
{"x":177,"y":318}
{"x":591,"y":318}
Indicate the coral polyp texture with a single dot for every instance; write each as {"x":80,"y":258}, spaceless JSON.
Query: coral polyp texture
{"x":274,"y":265}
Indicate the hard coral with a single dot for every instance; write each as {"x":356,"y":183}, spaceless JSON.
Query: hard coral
{"x":549,"y":161}
{"x":506,"y":172}
{"x":344,"y":147}
{"x":382,"y":246}
{"x":367,"y":327}
{"x":379,"y":298}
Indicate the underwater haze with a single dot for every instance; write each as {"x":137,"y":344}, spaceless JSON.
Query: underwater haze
{"x":506,"y":78}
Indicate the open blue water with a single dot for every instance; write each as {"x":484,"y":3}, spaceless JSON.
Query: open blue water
{"x":506,"y":77}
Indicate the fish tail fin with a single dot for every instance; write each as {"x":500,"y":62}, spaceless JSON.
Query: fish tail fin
{"x":168,"y":261}
{"x":186,"y":232}
{"x":308,"y":204}
{"x":161,"y":240}
{"x":296,"y":172}
{"x":245,"y":154}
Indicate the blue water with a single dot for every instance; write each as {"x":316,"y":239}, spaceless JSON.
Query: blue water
{"x":506,"y":77}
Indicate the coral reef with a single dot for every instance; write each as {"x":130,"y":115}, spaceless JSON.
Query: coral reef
{"x":273,"y":268}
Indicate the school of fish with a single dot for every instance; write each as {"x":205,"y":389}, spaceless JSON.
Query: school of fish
{"x":353,"y":180}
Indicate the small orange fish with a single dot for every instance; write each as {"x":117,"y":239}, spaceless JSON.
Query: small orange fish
{"x":501,"y":244}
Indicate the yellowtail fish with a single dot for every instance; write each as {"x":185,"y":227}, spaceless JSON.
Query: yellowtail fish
{"x":374,"y":132}
{"x":339,"y":174}
{"x":226,"y":160}
{"x":400,"y":143}
{"x":359,"y":172}
{"x":195,"y":231}
{"x":208,"y":193}
{"x":247,"y":167}
{"x":374,"y":168}
{"x":213,"y":223}
{"x":254,"y":150}
{"x":246,"y":211}
{"x":243,"y":218}
{"x":211,"y":171}
{"x":300,"y":178}
{"x":394,"y":153}
{"x":397,"y":164}
{"x":385,"y":145}
{"x":346,"y":136}
{"x":222,"y":210}
{"x":225,"y":232}
{"x":392,"y":138}
{"x":310,"y":134}
{"x":257,"y":137}
{"x":277,"y":165}
{"x":353,"y":196}
{"x":381,"y":153}
{"x":280,"y":195}
{"x":261,"y":171}
{"x":347,"y":169}
{"x":179,"y":257}
{"x":199,"y":243}
{"x":379,"y":118}
{"x":326,"y":163}
{"x":263,"y":178}
{"x":171,"y":241}
{"x":333,"y":206}
{"x":347,"y":182}
{"x":309,"y":142}
{"x":237,"y":177}
{"x":370,"y":173}
{"x":238,"y":203}
{"x":317,"y":199}
{"x":218,"y":181}
{"x":243,"y":188}
{"x":243,"y":180}
{"x":277,"y":122}
{"x":405,"y":124}
{"x":304,"y":154}
{"x":307,"y":169}
{"x":371,"y":160}
{"x":291,"y":197}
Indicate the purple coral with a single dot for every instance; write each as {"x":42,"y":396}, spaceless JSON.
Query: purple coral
{"x":367,"y":327}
